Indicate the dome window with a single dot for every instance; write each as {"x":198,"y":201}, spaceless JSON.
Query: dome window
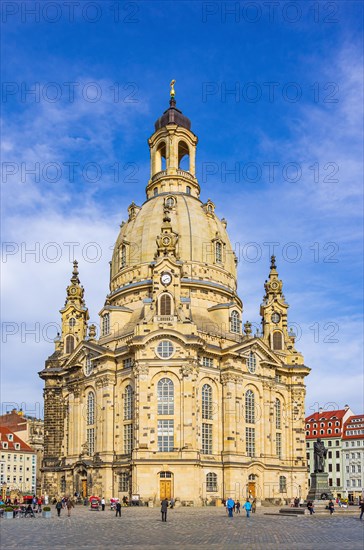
{"x":170,"y":202}
{"x":188,"y":190}
{"x":218,"y":252}
{"x":123,"y":256}
{"x":165,"y":305}
{"x":155,"y":191}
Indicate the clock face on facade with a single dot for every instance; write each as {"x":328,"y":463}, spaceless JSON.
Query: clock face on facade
{"x":276,"y":317}
{"x":166,"y":279}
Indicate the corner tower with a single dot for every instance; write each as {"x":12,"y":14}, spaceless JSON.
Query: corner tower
{"x":74,"y":315}
{"x":274,"y":313}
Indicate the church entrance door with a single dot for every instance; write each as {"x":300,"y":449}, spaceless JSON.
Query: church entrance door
{"x":84,"y":488}
{"x":165,"y":488}
{"x":251,"y":489}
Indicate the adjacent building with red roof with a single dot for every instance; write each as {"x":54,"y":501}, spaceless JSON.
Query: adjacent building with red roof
{"x":31,"y":431}
{"x":18,"y":463}
{"x":328,"y":425}
{"x":353,"y":456}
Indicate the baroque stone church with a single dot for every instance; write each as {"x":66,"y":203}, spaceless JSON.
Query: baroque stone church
{"x":176,"y":397}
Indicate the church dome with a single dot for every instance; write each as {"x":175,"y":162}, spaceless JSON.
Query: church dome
{"x":199,"y":232}
{"x":173,"y":224}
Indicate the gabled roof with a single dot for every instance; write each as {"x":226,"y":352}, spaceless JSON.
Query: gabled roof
{"x":354,"y":427}
{"x":4,"y":437}
{"x":323,"y":416}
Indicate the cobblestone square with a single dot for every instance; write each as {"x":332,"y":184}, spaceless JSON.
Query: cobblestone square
{"x":186,"y":528}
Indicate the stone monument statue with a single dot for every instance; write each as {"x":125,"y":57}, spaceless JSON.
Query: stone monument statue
{"x":319,"y":453}
{"x":319,"y":486}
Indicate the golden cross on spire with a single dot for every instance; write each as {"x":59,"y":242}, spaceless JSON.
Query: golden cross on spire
{"x":172,"y":92}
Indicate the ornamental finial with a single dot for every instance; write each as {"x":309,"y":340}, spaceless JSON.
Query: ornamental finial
{"x":273,"y":262}
{"x":172,"y":92}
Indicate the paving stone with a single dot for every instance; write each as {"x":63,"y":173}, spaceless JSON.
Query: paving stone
{"x":186,"y":528}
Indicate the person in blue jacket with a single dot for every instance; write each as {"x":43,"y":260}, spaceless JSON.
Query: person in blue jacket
{"x":230,"y":506}
{"x":247,"y":507}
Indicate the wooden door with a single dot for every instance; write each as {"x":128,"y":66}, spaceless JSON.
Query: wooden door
{"x":251,"y":489}
{"x":165,"y":488}
{"x":84,"y":488}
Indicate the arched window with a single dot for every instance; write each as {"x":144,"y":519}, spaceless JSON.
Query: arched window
{"x":207,"y":402}
{"x":90,"y":421}
{"x":155,"y":191}
{"x":252,"y":362}
{"x":72,"y":322}
{"x":70,"y":344}
{"x":160,"y":158}
{"x":106,"y":324}
{"x":278,"y":414}
{"x":235,"y":322}
{"x":88,"y":366}
{"x":211,"y":482}
{"x":183,"y":156}
{"x":165,"y":305}
{"x":90,"y":408}
{"x":123,"y":255}
{"x":188,"y":190}
{"x":249,"y":407}
{"x":282,"y":484}
{"x":165,"y":396}
{"x":218,"y":252}
{"x":277,"y":340}
{"x":128,"y":403}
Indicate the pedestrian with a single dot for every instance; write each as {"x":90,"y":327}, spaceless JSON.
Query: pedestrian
{"x":39,"y":504}
{"x":59,"y":507}
{"x":69,"y":505}
{"x":331,"y":507}
{"x":237,"y":506}
{"x":247,"y":507}
{"x":296,"y":502}
{"x":29,"y":511}
{"x":118,"y":510}
{"x":164,"y":508}
{"x":172,"y":503}
{"x":103,"y":504}
{"x":230,"y":506}
{"x":310,"y":507}
{"x":254,"y":505}
{"x":361,"y":507}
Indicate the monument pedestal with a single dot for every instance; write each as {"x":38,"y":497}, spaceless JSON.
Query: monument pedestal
{"x":319,"y":488}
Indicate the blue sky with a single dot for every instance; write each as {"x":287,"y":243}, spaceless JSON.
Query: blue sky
{"x":274,"y":93}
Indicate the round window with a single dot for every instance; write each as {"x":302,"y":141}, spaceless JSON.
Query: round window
{"x":170,"y":202}
{"x":165,"y":349}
